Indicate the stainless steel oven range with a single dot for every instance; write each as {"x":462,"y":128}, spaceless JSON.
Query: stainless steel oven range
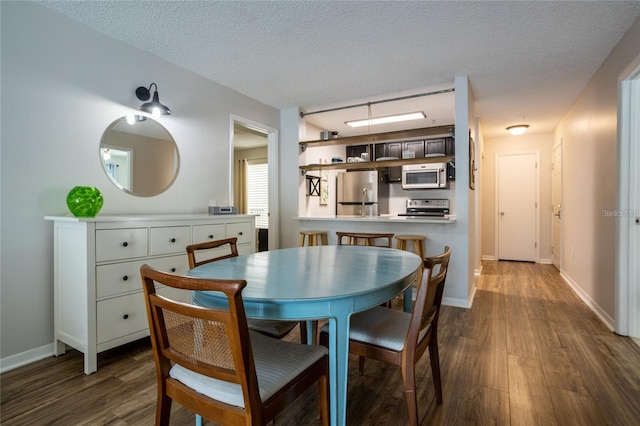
{"x":427,"y":208}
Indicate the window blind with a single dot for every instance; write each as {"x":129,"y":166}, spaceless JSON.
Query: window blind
{"x":258,"y":192}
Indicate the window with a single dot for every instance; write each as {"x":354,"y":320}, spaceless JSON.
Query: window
{"x":258,"y":191}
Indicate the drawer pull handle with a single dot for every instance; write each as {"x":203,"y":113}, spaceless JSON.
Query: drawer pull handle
{"x":173,"y":240}
{"x":126,"y":277}
{"x":211,"y":237}
{"x":173,"y":269}
{"x":125,"y":244}
{"x":125,"y":316}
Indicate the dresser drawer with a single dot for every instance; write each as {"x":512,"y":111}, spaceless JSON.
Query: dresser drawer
{"x":120,"y":317}
{"x":116,"y":244}
{"x":118,"y":278}
{"x":172,"y":239}
{"x":124,"y":277}
{"x":242,"y":230}
{"x":206,"y":233}
{"x":178,"y":265}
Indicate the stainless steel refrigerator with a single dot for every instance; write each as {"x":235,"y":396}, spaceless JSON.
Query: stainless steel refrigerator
{"x":357,"y":193}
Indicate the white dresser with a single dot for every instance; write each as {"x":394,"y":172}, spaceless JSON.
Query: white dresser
{"x":98,"y":300}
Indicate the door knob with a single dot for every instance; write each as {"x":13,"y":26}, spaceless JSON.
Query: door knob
{"x":501,"y":213}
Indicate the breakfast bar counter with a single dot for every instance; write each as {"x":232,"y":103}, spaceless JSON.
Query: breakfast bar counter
{"x":384,"y":218}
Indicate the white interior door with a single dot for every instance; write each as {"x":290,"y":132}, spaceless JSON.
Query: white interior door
{"x":628,"y":213}
{"x":556,"y":206}
{"x":516,"y":180}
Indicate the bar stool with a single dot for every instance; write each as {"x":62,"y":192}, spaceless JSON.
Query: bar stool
{"x":364,"y":239}
{"x":312,"y":238}
{"x":418,"y":243}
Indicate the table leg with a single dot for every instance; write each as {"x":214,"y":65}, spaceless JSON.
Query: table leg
{"x":338,"y":365}
{"x":407,"y":299}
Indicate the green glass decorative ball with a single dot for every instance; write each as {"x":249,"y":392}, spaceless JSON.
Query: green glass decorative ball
{"x":84,"y":201}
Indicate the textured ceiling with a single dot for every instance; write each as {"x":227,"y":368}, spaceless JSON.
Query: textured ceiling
{"x":526,"y":61}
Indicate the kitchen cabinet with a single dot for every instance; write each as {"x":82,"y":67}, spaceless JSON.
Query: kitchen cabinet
{"x":357,"y":150}
{"x":434,"y":147}
{"x":98,"y":300}
{"x":376,"y":139}
{"x":413,"y":149}
{"x":394,"y":149}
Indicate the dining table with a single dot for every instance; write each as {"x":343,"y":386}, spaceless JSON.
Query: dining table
{"x":316,"y":283}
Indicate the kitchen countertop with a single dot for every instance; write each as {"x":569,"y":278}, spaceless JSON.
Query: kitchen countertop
{"x":382,"y":218}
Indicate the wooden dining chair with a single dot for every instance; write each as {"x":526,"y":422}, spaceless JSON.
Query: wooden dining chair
{"x":211,"y":363}
{"x":364,"y":239}
{"x":211,"y":251}
{"x":400,"y":338}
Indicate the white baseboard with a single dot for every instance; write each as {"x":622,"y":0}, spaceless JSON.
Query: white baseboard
{"x":487,"y":257}
{"x":477,"y":273}
{"x":546,"y":261}
{"x":32,"y":355}
{"x":472,"y":295}
{"x":455,"y":302}
{"x":595,"y":308}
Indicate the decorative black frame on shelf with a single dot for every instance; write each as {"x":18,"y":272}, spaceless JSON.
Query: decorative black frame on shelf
{"x":313,"y":185}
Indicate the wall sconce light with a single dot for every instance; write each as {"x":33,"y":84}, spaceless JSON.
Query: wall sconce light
{"x":155,"y":108}
{"x":518,"y":129}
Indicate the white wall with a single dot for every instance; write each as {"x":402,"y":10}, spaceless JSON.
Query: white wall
{"x":541,"y":143}
{"x":589,"y":181}
{"x":62,"y":85}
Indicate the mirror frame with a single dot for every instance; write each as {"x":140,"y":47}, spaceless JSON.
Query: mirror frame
{"x":152,"y":132}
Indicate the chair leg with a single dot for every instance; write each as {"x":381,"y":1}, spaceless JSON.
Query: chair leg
{"x":435,"y":367}
{"x":304,"y":336}
{"x":409,"y":381}
{"x":323,"y":399}
{"x":163,"y":409}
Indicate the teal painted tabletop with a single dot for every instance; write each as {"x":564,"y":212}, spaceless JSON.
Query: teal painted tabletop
{"x":305,"y":283}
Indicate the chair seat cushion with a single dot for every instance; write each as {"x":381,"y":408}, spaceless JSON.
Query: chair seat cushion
{"x":379,"y":326}
{"x":277,"y":363}
{"x":271,"y":327}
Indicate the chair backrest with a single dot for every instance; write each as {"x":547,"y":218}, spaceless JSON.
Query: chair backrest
{"x":212,"y":342}
{"x":194,"y":249}
{"x":364,"y":238}
{"x":429,"y":297}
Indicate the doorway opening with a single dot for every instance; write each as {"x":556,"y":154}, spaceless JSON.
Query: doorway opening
{"x":253,"y":172}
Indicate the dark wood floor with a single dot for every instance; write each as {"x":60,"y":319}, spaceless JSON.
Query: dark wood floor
{"x":528,"y":352}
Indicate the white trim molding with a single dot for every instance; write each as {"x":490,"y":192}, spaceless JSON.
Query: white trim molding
{"x":32,"y":355}
{"x":595,"y":308}
{"x":628,"y":244}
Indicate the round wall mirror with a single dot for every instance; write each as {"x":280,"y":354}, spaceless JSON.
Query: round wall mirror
{"x":139,"y":155}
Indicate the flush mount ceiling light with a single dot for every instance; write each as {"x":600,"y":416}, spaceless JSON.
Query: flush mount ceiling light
{"x":386,"y":119}
{"x":155,"y":108}
{"x":518,"y":129}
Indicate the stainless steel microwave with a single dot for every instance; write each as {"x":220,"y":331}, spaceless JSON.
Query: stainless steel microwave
{"x":424,"y":176}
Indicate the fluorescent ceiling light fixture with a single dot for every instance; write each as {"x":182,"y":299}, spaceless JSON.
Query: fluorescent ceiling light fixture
{"x":518,"y":129}
{"x":387,"y":119}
